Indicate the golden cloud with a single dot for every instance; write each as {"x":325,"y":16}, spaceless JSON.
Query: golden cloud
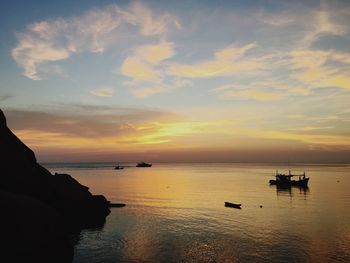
{"x":138,"y":70}
{"x":228,"y":61}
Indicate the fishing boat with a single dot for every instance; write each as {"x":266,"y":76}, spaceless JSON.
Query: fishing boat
{"x":285,"y":180}
{"x":143,"y":164}
{"x":233,"y":205}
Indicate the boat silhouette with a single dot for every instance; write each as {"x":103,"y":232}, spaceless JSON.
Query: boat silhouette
{"x":143,"y":164}
{"x":118,"y":167}
{"x":233,"y":205}
{"x":285,"y":180}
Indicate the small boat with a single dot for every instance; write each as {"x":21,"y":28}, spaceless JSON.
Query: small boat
{"x":118,"y":167}
{"x":285,"y":180}
{"x":233,"y":205}
{"x":143,"y":164}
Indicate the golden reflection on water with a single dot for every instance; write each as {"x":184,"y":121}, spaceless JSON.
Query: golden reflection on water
{"x":176,"y":213}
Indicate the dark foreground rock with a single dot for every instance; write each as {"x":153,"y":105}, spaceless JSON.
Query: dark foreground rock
{"x":38,"y":208}
{"x":32,"y":231}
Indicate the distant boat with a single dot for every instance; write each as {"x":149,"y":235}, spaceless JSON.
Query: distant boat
{"x":228,"y":204}
{"x":118,"y":167}
{"x":143,"y":164}
{"x":285,"y":180}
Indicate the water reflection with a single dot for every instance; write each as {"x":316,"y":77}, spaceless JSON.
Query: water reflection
{"x":175,"y":213}
{"x":291,"y":190}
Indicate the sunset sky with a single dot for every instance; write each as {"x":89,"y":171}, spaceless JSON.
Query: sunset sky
{"x":259,"y":81}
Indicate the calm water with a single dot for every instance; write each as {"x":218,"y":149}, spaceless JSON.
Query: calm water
{"x":176,"y":213}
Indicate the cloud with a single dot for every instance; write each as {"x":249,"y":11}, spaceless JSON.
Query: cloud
{"x":146,"y":66}
{"x":160,"y":88}
{"x":145,"y":62}
{"x":31,"y":52}
{"x":323,"y":23}
{"x":228,"y":61}
{"x":285,"y":87}
{"x":255,"y":94}
{"x":86,"y":122}
{"x":96,"y":30}
{"x":245,"y":92}
{"x":154,"y":54}
{"x":183,"y":83}
{"x":280,"y":19}
{"x":87,"y":127}
{"x":316,"y":139}
{"x":265,"y":90}
{"x":165,"y":132}
{"x":296,"y":116}
{"x":139,"y":70}
{"x":104,"y":92}
{"x":314,"y":68}
{"x":5,"y":97}
{"x":149,"y":23}
{"x":311,"y":128}
{"x":146,"y":92}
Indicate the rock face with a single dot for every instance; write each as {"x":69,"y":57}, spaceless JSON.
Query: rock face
{"x":32,"y":231}
{"x":40,"y":207}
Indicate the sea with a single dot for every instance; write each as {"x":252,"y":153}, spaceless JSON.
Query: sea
{"x":175,"y":213}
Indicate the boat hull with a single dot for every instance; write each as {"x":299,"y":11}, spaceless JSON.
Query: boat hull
{"x":144,"y":165}
{"x":301,"y":183}
{"x":233,"y":205}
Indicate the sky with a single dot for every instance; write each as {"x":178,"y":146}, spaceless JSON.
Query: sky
{"x":178,"y":81}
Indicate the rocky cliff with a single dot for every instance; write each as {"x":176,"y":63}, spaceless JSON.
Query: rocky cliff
{"x":40,"y":210}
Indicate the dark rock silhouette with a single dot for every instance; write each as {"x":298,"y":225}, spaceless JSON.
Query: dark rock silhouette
{"x":39,"y":207}
{"x":32,"y":231}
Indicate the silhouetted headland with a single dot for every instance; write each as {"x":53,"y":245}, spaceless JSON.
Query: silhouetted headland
{"x":39,"y":210}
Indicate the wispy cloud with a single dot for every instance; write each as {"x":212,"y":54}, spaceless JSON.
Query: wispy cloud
{"x":311,"y":128}
{"x":265,"y":90}
{"x":6,"y":97}
{"x":231,"y":91}
{"x":314,"y":68}
{"x":148,"y":91}
{"x":254,"y":94}
{"x":58,"y":39}
{"x":323,"y":24}
{"x":159,"y":88}
{"x":316,"y":139}
{"x":226,"y":62}
{"x":103,"y":92}
{"x":280,"y":19}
